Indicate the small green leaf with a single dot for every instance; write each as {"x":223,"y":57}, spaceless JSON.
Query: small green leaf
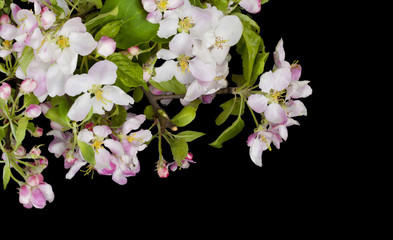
{"x":26,"y":57}
{"x":229,"y":133}
{"x":118,"y":119}
{"x":227,"y":108}
{"x":87,"y":152}
{"x":172,"y":85}
{"x":97,"y":3}
{"x":179,"y":148}
{"x":128,"y":72}
{"x":6,"y":174}
{"x":184,"y":117}
{"x":137,"y":94}
{"x":189,"y":136}
{"x":110,"y":30}
{"x":149,"y":112}
{"x":30,"y":99}
{"x":21,"y":130}
{"x":58,"y":113}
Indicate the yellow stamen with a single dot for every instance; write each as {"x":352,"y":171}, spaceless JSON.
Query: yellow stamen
{"x":219,"y":42}
{"x":185,"y":24}
{"x":183,"y":63}
{"x":63,"y":42}
{"x":97,"y":145}
{"x":7,"y":44}
{"x":162,"y":5}
{"x":99,"y":96}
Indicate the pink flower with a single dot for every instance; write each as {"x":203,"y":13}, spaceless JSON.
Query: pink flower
{"x":5,"y":91}
{"x":163,"y":171}
{"x":106,"y":46}
{"x":259,"y":142}
{"x":35,"y":192}
{"x":251,"y":6}
{"x":33,"y":111}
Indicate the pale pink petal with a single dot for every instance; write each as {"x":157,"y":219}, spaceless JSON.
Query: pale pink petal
{"x":194,"y":91}
{"x":257,"y":102}
{"x":166,"y":54}
{"x":149,"y":5}
{"x":133,"y":123}
{"x":230,"y":29}
{"x":85,"y":135}
{"x":68,"y":60}
{"x":299,"y":89}
{"x":106,"y":46}
{"x":203,"y":71}
{"x":154,"y":17}
{"x":256,"y":150}
{"x":220,"y":53}
{"x":74,"y":169}
{"x":47,"y":191}
{"x":173,"y":4}
{"x":282,"y":79}
{"x":251,"y":6}
{"x":8,"y":31}
{"x":24,"y":194}
{"x":266,"y":82}
{"x":275,"y":114}
{"x":103,"y":72}
{"x":78,"y":84}
{"x":181,"y":44}
{"x":72,"y":25}
{"x":82,"y":43}
{"x":114,"y":146}
{"x":119,"y":177}
{"x":102,"y":131}
{"x":55,"y":81}
{"x":37,"y":198}
{"x":166,"y":71}
{"x":80,"y":108}
{"x":117,"y":96}
{"x":168,"y":27}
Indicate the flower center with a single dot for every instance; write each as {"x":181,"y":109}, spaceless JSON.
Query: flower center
{"x":185,"y":24}
{"x":277,"y":96}
{"x":63,"y":42}
{"x":7,"y":44}
{"x":219,"y":42}
{"x":98,"y":93}
{"x":162,"y":5}
{"x":97,"y":144}
{"x":183,"y":63}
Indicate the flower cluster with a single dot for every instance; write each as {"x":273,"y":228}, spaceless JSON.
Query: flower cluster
{"x":84,"y":64}
{"x":198,"y":52}
{"x":278,"y":103}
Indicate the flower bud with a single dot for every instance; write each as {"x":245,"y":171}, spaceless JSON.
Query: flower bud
{"x":33,"y":111}
{"x":47,"y":18}
{"x":106,"y":46}
{"x":134,"y":51}
{"x":5,"y":91}
{"x":35,"y":151}
{"x":5,"y":19}
{"x":163,"y":172}
{"x":20,"y":152}
{"x":38,"y":132}
{"x":34,"y":180}
{"x":296,"y":71}
{"x":28,"y":85}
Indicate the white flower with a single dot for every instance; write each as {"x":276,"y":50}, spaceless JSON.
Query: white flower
{"x":97,"y":82}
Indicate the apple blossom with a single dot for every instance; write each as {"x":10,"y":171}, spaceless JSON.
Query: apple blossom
{"x":156,"y":8}
{"x":5,"y":91}
{"x":37,"y":194}
{"x":98,"y":82}
{"x":106,"y":46}
{"x":28,"y":85}
{"x":33,"y":111}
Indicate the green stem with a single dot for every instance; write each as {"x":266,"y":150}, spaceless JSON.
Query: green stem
{"x":253,"y":115}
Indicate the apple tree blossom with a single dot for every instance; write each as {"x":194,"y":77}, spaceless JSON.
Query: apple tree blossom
{"x":84,"y":65}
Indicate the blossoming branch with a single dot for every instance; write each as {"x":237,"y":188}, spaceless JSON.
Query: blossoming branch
{"x":84,"y":64}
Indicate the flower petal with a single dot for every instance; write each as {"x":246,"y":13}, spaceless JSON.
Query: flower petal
{"x":166,"y":71}
{"x":78,"y":84}
{"x":275,"y":114}
{"x":117,"y":96}
{"x":257,"y":102}
{"x":256,"y":151}
{"x":37,"y":198}
{"x":82,"y":43}
{"x":55,"y":81}
{"x":72,"y":25}
{"x":114,"y":146}
{"x":230,"y":29}
{"x":103,"y":72}
{"x":74,"y":169}
{"x":202,"y":71}
{"x":80,"y":108}
{"x":102,"y":131}
{"x":67,"y":61}
{"x":24,"y":194}
{"x":46,"y":190}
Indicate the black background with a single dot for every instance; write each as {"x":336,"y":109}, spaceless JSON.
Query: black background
{"x":224,"y":185}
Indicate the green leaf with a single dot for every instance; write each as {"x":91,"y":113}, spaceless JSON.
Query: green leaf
{"x":110,"y":30}
{"x":252,"y":50}
{"x":87,"y":152}
{"x":26,"y":57}
{"x":128,"y":72}
{"x":6,"y":174}
{"x":227,"y":108}
{"x":189,"y":136}
{"x":229,"y":133}
{"x":135,"y":30}
{"x":118,"y":119}
{"x":21,"y":130}
{"x":30,"y":99}
{"x":172,"y":85}
{"x":179,"y":148}
{"x":220,"y":4}
{"x":58,"y":113}
{"x":97,"y":3}
{"x":186,"y":115}
{"x":137,"y":94}
{"x":149,"y":112}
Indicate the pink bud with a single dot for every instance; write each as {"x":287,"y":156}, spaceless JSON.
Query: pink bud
{"x":43,"y":162}
{"x":28,"y":85}
{"x":5,"y":19}
{"x":163,"y":172}
{"x":38,"y":132}
{"x":296,"y":71}
{"x":35,"y":151}
{"x":106,"y":46}
{"x":34,"y":180}
{"x":5,"y":91}
{"x":33,"y":111}
{"x":189,"y":156}
{"x":20,"y":152}
{"x":134,"y":51}
{"x":47,"y":18}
